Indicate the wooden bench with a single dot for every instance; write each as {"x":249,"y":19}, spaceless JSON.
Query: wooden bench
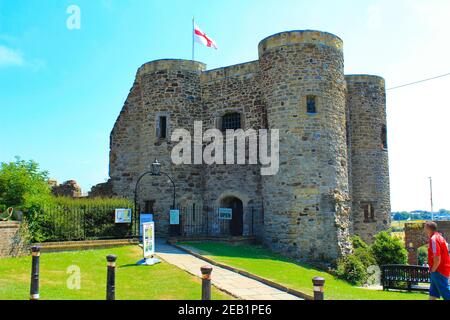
{"x":393,"y":275}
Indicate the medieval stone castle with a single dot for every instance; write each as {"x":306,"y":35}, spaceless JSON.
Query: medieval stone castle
{"x":333,"y":179}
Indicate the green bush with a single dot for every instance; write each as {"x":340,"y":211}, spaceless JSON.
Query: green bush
{"x":359,"y":243}
{"x":362,"y":251}
{"x":422,"y":254}
{"x":365,"y":256}
{"x":21,"y":179}
{"x":352,"y":269}
{"x":388,"y":249}
{"x":60,"y":219}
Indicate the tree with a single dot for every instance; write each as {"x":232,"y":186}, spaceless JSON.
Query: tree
{"x":21,"y":179}
{"x":388,"y":249}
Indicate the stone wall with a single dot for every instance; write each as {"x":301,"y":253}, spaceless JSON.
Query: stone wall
{"x":67,"y":189}
{"x":415,"y":237}
{"x":233,"y":89}
{"x":102,"y":190}
{"x":11,"y":244}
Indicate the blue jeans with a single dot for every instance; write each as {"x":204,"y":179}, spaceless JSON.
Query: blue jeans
{"x":439,"y":286}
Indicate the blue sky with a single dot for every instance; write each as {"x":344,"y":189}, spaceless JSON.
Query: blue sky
{"x":61,"y":90}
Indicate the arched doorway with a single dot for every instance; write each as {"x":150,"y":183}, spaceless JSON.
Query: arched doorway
{"x":237,"y":220}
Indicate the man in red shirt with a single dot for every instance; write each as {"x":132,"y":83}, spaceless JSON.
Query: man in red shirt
{"x":439,"y":262}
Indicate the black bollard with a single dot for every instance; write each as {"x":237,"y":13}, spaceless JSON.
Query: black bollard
{"x":206,"y":282}
{"x":318,"y":283}
{"x":111,"y":277}
{"x":34,"y":286}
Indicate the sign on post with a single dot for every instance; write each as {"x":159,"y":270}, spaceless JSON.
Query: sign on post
{"x":148,"y":239}
{"x":144,"y":218}
{"x":148,"y":244}
{"x":225,"y":213}
{"x":123,"y":215}
{"x":174,"y":217}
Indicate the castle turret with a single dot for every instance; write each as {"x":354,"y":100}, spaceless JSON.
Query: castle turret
{"x":169,"y":98}
{"x":306,"y":208}
{"x":366,"y":102}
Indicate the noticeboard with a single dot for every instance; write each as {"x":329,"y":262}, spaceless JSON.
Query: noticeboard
{"x":123,"y":215}
{"x":225,"y":213}
{"x":174,"y":217}
{"x":148,"y":239}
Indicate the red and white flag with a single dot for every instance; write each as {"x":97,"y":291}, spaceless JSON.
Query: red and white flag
{"x":202,"y":38}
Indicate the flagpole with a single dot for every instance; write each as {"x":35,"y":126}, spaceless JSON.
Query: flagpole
{"x":193,"y":38}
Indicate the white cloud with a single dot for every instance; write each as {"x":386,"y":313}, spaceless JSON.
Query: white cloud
{"x":10,"y":57}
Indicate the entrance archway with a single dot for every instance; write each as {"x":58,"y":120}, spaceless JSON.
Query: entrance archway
{"x":237,"y":220}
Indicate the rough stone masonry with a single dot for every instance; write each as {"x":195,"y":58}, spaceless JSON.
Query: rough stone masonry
{"x":333,"y":179}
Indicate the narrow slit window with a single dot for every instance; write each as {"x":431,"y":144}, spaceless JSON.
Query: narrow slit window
{"x":384,"y":137}
{"x":162,"y":127}
{"x":311,"y":104}
{"x":369,"y":212}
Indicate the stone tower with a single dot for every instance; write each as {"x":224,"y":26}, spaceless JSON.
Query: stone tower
{"x":165,"y":96}
{"x":366,"y":102}
{"x":333,"y":177}
{"x":302,"y":75}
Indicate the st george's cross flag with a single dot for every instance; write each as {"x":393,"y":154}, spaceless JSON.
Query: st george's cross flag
{"x":201,"y":37}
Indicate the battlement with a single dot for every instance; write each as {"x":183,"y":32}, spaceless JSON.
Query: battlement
{"x":299,"y":37}
{"x":238,"y":70}
{"x":171,"y":65}
{"x":365,"y":78}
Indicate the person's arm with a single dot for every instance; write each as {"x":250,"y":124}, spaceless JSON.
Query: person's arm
{"x":436,"y":263}
{"x":436,"y":254}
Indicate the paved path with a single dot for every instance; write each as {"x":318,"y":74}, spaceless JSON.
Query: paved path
{"x":236,"y":284}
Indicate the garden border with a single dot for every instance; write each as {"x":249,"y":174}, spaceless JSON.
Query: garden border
{"x":246,"y":274}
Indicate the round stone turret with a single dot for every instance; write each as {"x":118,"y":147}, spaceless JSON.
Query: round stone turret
{"x":366,"y":100}
{"x":302,"y":73}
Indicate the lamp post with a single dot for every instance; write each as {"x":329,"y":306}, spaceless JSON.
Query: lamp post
{"x":431,"y":198}
{"x":156,"y":172}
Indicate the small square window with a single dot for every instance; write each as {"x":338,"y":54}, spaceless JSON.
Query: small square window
{"x":311,"y":104}
{"x":231,"y":121}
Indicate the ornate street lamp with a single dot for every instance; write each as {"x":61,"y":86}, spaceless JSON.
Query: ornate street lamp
{"x":155,"y":171}
{"x":156,"y":168}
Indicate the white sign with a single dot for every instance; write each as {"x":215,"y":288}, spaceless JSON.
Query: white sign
{"x":143,"y":218}
{"x":148,"y":239}
{"x":123,"y":215}
{"x":174,"y":217}
{"x":225,"y":213}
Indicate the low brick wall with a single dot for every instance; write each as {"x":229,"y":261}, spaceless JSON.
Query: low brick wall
{"x":10,"y":243}
{"x":415,"y":237}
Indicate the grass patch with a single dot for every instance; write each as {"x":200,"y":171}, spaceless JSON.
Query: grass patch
{"x":160,"y":282}
{"x":266,"y":264}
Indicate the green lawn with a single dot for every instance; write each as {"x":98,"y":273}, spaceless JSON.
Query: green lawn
{"x":264,"y":263}
{"x":159,"y":282}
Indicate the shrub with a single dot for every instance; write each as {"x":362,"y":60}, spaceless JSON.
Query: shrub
{"x":359,"y":243}
{"x":422,"y":254}
{"x":351,"y":269}
{"x":365,"y":256}
{"x":388,"y":249}
{"x":60,"y":219}
{"x":20,"y":179}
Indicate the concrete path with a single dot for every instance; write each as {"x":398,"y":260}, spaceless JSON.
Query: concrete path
{"x":238,"y":285}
